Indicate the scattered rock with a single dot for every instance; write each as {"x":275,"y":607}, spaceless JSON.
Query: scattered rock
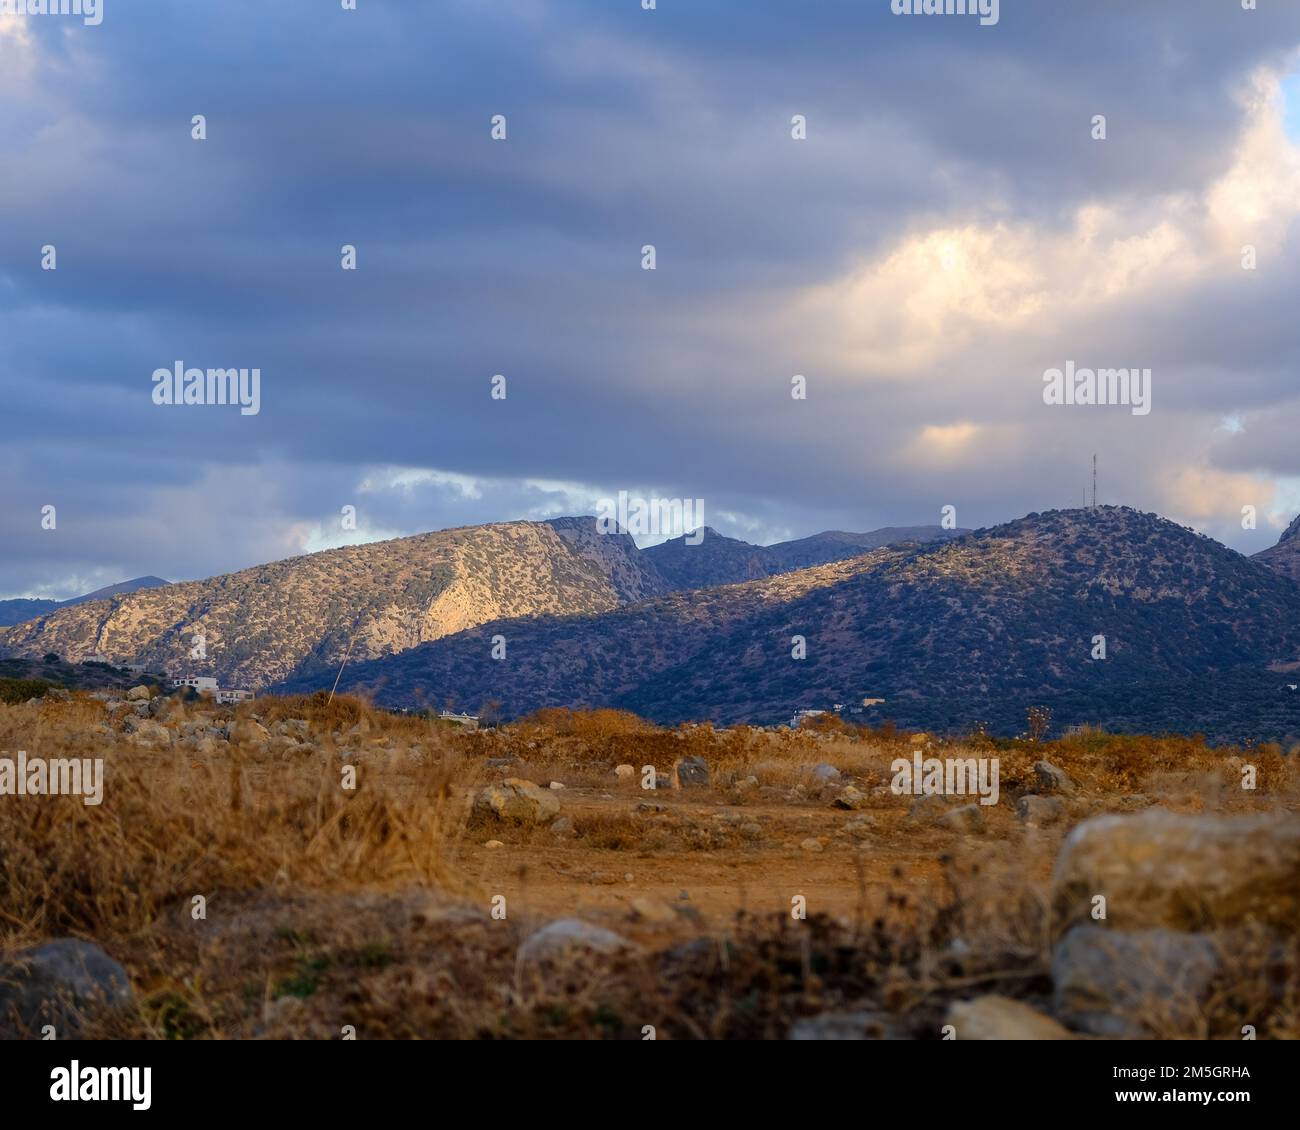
{"x":1052,"y":779}
{"x":826,"y":773}
{"x":501,"y":762}
{"x":1039,"y":810}
{"x":811,"y":844}
{"x":1158,"y":868}
{"x":138,"y":694}
{"x":555,"y":786}
{"x":624,"y":772}
{"x":691,"y":772}
{"x":650,"y":806}
{"x":570,"y":936}
{"x":852,"y":798}
{"x":149,"y":733}
{"x":928,"y":809}
{"x":517,"y":800}
{"x":1000,"y":1018}
{"x":492,"y":845}
{"x":1133,"y":985}
{"x":967,"y":818}
{"x":750,"y":782}
{"x":249,"y":731}
{"x":562,"y":827}
{"x":650,"y":910}
{"x":58,"y":983}
{"x":863,"y":1025}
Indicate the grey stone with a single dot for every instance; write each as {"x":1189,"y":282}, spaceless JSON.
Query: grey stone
{"x":1052,"y":778}
{"x":1039,"y":810}
{"x":570,"y":936}
{"x":1144,"y":983}
{"x":59,"y":983}
{"x":860,"y":1025}
{"x":691,"y":772}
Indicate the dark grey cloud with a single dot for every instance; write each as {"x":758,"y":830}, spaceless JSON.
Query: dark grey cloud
{"x":626,"y":127}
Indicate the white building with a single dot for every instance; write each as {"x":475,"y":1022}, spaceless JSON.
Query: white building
{"x":800,"y":715}
{"x":469,"y":721}
{"x":235,"y":696}
{"x":200,"y":683}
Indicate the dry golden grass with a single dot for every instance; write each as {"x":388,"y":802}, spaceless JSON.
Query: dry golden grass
{"x":370,"y":907}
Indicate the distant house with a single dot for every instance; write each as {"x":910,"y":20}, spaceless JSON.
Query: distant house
{"x":469,"y":721}
{"x":872,"y":701}
{"x":97,"y":657}
{"x":136,"y":668}
{"x":232,"y":696}
{"x":200,"y":683}
{"x":800,"y":715}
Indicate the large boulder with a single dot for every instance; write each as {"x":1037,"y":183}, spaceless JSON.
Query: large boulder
{"x":518,"y":801}
{"x":1143,"y":984}
{"x":691,"y":772}
{"x":59,"y":983}
{"x":1192,"y":873}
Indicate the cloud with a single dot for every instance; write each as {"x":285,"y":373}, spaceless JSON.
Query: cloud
{"x":947,"y":231}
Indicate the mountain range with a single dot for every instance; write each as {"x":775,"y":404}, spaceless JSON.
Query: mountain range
{"x":1107,"y":615}
{"x":948,"y":632}
{"x":301,"y":617}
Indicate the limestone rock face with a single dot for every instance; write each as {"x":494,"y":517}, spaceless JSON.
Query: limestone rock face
{"x":1190,"y":873}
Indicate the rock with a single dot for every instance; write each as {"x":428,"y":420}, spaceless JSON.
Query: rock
{"x":555,"y":786}
{"x":826,"y":773}
{"x":1143,"y":984}
{"x":649,"y":910}
{"x":492,"y":845}
{"x":860,"y":828}
{"x":743,"y":786}
{"x":650,"y":806}
{"x":58,"y":983}
{"x":138,"y":694}
{"x":1157,"y":868}
{"x":624,"y":772}
{"x":967,"y":818}
{"x":691,"y":772}
{"x":863,"y":1025}
{"x":851,"y":798}
{"x":148,"y":733}
{"x":1052,"y":779}
{"x":562,"y":827}
{"x":570,"y":937}
{"x":1000,"y":1018}
{"x":501,"y":762}
{"x":517,"y":800}
{"x":811,"y":844}
{"x":1039,"y":810}
{"x":928,"y":809}
{"x":248,"y":731}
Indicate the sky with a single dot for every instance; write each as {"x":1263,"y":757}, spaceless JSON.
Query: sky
{"x":948,"y":230}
